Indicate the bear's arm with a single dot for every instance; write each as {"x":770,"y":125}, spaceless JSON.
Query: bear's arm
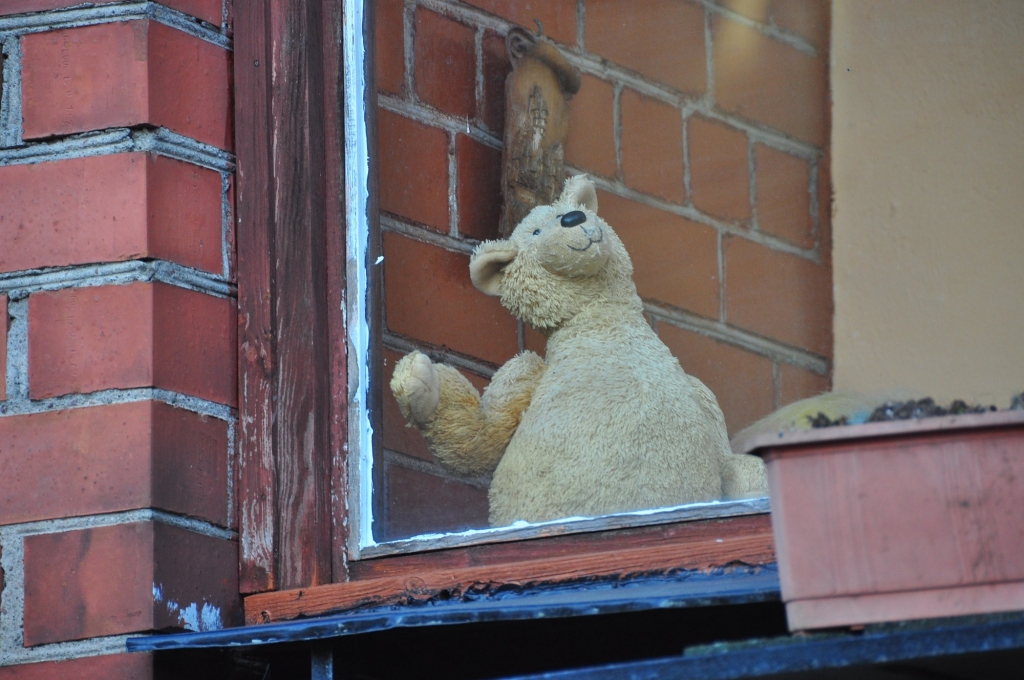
{"x":469,"y":434}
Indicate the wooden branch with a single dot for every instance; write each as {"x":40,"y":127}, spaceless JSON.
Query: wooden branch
{"x":700,"y":546}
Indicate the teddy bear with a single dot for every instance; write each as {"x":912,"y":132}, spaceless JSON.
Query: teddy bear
{"x":607,"y":421}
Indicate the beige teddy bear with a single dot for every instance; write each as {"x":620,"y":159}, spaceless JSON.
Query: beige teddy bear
{"x":607,"y":421}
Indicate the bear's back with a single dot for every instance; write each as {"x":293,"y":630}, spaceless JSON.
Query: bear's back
{"x":612,"y":426}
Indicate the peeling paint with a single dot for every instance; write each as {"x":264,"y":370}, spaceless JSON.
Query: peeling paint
{"x":210,"y":617}
{"x":197,"y":619}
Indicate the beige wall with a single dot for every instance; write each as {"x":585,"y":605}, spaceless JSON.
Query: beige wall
{"x":928,"y":171}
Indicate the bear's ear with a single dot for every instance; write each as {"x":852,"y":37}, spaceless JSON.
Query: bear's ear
{"x":580,"y":190}
{"x":487,"y":266}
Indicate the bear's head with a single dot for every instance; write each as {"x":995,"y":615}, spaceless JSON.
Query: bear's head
{"x":560,"y":260}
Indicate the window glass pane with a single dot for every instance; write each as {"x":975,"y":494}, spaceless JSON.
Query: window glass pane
{"x":704,"y":130}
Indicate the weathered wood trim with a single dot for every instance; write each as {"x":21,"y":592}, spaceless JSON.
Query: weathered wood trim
{"x":300,"y":435}
{"x":257,"y":479}
{"x":692,"y":546}
{"x":694,"y":532}
{"x":291,"y":273}
{"x":334,"y":154}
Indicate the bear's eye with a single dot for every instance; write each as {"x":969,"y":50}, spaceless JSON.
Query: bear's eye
{"x":536,"y":232}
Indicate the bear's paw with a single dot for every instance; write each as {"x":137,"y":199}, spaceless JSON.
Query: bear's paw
{"x":416,"y":387}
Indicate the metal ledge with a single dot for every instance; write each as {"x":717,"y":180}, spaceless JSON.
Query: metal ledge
{"x":686,"y":589}
{"x":904,"y":648}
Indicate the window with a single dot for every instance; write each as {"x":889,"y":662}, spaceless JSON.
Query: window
{"x":718,"y":194}
{"x":714,"y":190}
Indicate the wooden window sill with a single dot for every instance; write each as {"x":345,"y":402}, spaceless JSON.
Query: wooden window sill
{"x":575,"y":525}
{"x":695,"y":545}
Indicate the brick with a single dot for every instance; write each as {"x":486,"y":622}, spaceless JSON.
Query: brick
{"x":20,"y":6}
{"x":652,"y":147}
{"x":390,"y":32}
{"x":558,"y":17}
{"x":662,"y":40}
{"x":109,"y":209}
{"x":420,"y":503}
{"x":496,"y":68}
{"x":113,"y":458}
{"x":445,"y":63}
{"x":783,"y":196}
{"x":210,"y":11}
{"x":195,"y":351}
{"x":74,"y":212}
{"x":479,"y":192}
{"x":796,"y":384}
{"x":428,"y":296}
{"x":778,"y":295}
{"x":110,"y":667}
{"x":741,"y":381}
{"x":413,"y":170}
{"x":138,"y":335}
{"x":534,"y":341}
{"x":811,"y":20}
{"x":807,"y":18}
{"x":185,"y":214}
{"x":190,"y":86}
{"x":122,"y":74}
{"x":88,"y":339}
{"x":675,"y":261}
{"x":4,"y":320}
{"x":189,"y":468}
{"x":719,"y":169}
{"x":127,"y":578}
{"x":591,"y":142}
{"x":766,"y":81}
{"x":85,"y":78}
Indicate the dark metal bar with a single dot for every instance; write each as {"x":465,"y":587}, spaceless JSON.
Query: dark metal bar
{"x":689,"y":589}
{"x":793,"y":654}
{"x":321,"y":661}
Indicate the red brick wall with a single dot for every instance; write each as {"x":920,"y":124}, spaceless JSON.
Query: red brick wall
{"x":705,"y":125}
{"x":118,"y":357}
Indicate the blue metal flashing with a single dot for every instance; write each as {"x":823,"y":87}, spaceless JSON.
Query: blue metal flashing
{"x":685,"y":589}
{"x":911,"y":641}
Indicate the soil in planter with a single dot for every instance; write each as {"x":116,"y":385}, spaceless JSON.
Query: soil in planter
{"x":906,"y":410}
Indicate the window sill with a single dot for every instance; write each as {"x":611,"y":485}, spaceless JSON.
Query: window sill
{"x":468,"y":571}
{"x":571,"y":525}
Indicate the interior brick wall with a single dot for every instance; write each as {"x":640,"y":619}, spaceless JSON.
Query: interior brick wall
{"x":704,"y":124}
{"x":118,"y":359}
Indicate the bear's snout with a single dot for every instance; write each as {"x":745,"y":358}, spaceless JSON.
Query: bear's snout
{"x":574,"y":218}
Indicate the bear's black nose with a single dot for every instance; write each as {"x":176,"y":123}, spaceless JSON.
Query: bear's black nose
{"x":576,"y":217}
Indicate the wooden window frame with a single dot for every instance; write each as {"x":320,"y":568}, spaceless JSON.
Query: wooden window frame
{"x":300,"y":423}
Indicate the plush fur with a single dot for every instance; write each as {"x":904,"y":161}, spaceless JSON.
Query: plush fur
{"x":607,"y":421}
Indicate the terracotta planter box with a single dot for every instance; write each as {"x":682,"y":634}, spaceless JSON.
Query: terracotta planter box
{"x":898,"y":520}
